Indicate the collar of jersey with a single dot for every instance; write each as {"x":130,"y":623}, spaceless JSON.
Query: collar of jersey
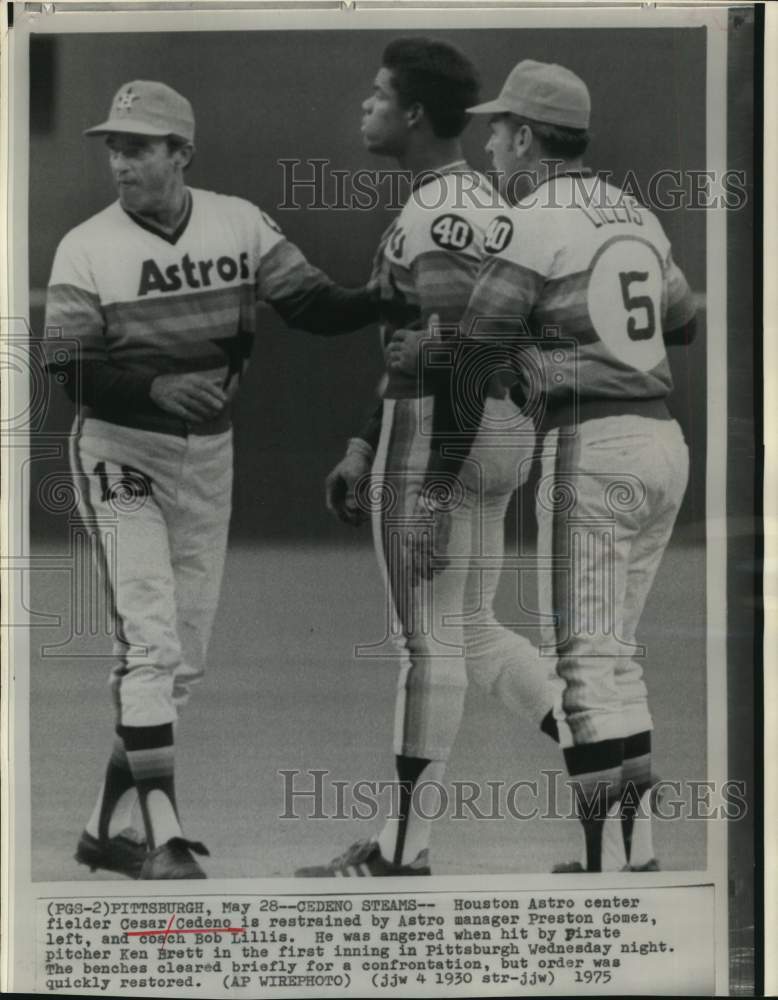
{"x":584,"y":172}
{"x":170,"y":237}
{"x":430,"y":175}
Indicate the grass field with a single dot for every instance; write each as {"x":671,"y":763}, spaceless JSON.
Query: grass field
{"x":285,"y":692}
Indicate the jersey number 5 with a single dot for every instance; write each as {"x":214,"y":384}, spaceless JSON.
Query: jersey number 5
{"x":633,"y":302}
{"x":624,"y":300}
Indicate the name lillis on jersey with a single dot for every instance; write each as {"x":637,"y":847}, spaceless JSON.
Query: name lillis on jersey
{"x":604,"y":215}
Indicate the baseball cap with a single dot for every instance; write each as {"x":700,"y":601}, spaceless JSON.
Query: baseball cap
{"x":544,"y":92}
{"x":146,"y":107}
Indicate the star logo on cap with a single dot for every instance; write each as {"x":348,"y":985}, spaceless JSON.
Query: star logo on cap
{"x":124,"y":102}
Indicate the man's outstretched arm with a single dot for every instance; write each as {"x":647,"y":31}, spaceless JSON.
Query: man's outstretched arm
{"x":305,"y":298}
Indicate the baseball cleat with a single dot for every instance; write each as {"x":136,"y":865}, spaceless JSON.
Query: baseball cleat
{"x":364,"y":859}
{"x":124,"y":853}
{"x":568,"y":868}
{"x":173,"y":859}
{"x":575,"y":867}
{"x":649,"y":866}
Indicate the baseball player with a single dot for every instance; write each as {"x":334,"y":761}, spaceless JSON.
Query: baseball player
{"x":579,"y":259}
{"x":425,"y":267}
{"x":158,"y":292}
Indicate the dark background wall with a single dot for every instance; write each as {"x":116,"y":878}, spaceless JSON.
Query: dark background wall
{"x":260,"y":97}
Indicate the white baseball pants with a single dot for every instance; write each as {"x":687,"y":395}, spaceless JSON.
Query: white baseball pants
{"x":606,"y":503}
{"x":159,"y":506}
{"x":445,"y":628}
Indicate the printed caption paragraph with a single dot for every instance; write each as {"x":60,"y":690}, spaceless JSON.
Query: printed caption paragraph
{"x":425,"y":944}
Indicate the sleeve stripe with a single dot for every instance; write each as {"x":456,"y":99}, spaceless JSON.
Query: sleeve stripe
{"x":503,"y":289}
{"x":286,"y":276}
{"x":443,"y":260}
{"x":526,"y":283}
{"x":72,"y":297}
{"x":75,"y":313}
{"x":443,"y":282}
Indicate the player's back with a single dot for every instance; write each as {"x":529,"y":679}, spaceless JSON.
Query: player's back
{"x":588,"y":265}
{"x":429,"y":256}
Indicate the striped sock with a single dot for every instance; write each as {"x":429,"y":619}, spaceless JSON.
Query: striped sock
{"x":405,"y":835}
{"x":151,"y":755}
{"x":113,"y":810}
{"x":595,"y":772}
{"x":636,"y":782}
{"x":548,"y":725}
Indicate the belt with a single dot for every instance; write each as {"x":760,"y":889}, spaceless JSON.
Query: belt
{"x":576,"y":410}
{"x":163,"y":424}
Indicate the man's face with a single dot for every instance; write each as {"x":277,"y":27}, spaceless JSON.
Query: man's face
{"x":501,"y":148}
{"x":147,"y":174}
{"x":384,"y":122}
{"x":509,"y":150}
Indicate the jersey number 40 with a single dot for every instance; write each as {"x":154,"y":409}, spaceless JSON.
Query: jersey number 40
{"x":452,"y":232}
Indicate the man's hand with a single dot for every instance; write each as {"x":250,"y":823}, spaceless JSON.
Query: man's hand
{"x":402,"y":351}
{"x":340,"y":485}
{"x":428,"y":539}
{"x":192,"y":396}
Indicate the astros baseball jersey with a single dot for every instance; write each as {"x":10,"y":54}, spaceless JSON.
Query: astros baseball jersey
{"x":154,"y":303}
{"x":581,"y":258}
{"x":428,"y":258}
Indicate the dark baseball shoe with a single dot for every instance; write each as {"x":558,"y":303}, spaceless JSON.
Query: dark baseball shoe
{"x":649,"y":866}
{"x":568,"y":868}
{"x":364,"y":859}
{"x":575,"y":867}
{"x":173,"y":859}
{"x":124,"y":853}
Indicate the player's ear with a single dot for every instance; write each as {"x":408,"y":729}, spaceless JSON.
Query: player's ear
{"x":414,"y":113}
{"x":186,"y":154}
{"x":522,"y":139}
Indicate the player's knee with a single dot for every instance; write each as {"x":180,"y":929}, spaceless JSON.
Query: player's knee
{"x":482,"y":672}
{"x":166,"y":656}
{"x":431,"y":673}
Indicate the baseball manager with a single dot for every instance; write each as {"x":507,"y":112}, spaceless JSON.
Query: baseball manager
{"x":159,"y":291}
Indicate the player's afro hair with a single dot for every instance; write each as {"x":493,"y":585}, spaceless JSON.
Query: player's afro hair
{"x":436,"y":75}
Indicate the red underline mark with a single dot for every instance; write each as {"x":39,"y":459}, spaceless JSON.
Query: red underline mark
{"x":189,"y":930}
